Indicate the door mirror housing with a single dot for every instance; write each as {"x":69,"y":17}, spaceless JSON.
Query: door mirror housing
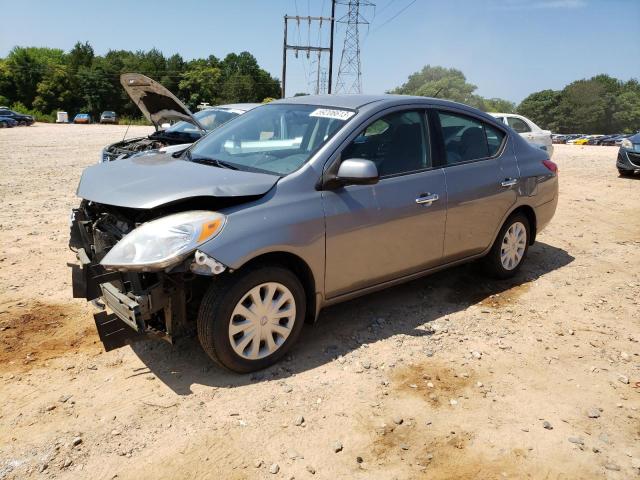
{"x":357,"y":171}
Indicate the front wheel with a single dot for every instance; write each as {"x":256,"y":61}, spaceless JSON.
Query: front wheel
{"x":249,"y":320}
{"x":624,"y":173}
{"x":510,"y":247}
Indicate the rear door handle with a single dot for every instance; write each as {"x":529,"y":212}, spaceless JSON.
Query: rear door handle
{"x":509,"y":182}
{"x":427,"y":199}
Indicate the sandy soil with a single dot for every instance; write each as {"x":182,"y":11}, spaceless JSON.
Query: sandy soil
{"x":449,"y":377}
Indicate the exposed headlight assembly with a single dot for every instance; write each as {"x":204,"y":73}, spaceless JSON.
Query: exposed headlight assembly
{"x":164,"y":242}
{"x":626,"y":143}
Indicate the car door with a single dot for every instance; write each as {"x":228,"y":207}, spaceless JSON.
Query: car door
{"x":376,"y":233}
{"x":482,"y":176}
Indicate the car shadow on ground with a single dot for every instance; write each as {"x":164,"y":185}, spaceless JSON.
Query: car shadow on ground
{"x":345,"y":327}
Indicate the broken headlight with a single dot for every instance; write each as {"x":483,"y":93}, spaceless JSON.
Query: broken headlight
{"x":163,"y":242}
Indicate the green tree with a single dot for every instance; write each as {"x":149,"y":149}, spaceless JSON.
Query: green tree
{"x":442,"y":82}
{"x":55,"y":91}
{"x":200,"y":83}
{"x":541,"y":107}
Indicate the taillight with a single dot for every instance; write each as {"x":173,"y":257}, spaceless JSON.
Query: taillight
{"x":550,"y":165}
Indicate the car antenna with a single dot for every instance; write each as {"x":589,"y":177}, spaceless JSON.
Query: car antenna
{"x":436,"y":94}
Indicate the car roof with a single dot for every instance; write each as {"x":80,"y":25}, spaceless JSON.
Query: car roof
{"x":245,"y":107}
{"x":354,"y":102}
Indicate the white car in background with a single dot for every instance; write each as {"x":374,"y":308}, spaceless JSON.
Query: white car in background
{"x":528,"y":130}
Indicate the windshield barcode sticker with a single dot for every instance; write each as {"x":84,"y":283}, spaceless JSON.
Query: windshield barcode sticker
{"x":330,"y":113}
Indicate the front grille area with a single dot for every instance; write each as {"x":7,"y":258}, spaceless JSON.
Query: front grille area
{"x":634,"y":158}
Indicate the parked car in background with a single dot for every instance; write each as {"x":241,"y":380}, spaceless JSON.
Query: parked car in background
{"x":7,"y":122}
{"x":628,"y":161}
{"x":82,"y":118}
{"x":586,"y":139}
{"x":23,"y":120}
{"x":531,"y":132}
{"x":109,"y":117}
{"x":299,"y":204}
{"x":578,"y":140}
{"x":160,"y":106}
{"x":621,"y":139}
{"x":594,"y":139}
{"x":607,"y":140}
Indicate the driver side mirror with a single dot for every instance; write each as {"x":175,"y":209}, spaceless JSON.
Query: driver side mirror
{"x":357,"y":171}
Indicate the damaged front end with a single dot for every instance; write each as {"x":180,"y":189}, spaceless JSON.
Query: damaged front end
{"x":133,"y":146}
{"x":136,"y":303}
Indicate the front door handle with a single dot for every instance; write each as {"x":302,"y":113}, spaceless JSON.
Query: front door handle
{"x":509,"y":182}
{"x":427,"y":199}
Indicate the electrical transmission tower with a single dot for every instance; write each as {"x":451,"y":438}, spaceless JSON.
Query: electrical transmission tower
{"x":349,"y":73}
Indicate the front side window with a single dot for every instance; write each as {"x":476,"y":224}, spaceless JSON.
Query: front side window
{"x":466,"y":138}
{"x":276,"y":138}
{"x":518,"y":125}
{"x":396,"y":143}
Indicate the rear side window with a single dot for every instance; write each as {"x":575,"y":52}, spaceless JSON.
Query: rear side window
{"x":518,"y":125}
{"x":466,"y":138}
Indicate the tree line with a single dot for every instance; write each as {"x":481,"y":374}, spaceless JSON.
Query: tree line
{"x":601,"y":104}
{"x":42,"y":81}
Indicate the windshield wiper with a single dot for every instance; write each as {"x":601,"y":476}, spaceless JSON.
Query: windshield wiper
{"x":211,"y":161}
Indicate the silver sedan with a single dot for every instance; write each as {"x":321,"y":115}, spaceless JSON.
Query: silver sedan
{"x":297,"y":205}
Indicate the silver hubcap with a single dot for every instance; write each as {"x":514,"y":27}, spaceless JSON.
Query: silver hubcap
{"x":513,"y":246}
{"x":262,"y":321}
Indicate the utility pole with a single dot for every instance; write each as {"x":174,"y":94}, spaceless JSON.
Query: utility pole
{"x":302,"y":48}
{"x":350,"y":71}
{"x":333,"y":28}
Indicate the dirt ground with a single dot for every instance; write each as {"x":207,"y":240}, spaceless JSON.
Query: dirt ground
{"x":449,"y":377}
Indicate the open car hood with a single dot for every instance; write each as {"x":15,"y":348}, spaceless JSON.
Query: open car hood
{"x":156,"y":103}
{"x":152,"y":180}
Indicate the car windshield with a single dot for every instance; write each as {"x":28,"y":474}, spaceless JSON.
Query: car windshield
{"x":276,"y":139}
{"x":210,"y":119}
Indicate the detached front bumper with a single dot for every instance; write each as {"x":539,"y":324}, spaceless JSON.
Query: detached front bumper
{"x":125,"y":317}
{"x":135,"y":305}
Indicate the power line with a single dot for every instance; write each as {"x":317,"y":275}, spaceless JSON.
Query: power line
{"x":394,"y":16}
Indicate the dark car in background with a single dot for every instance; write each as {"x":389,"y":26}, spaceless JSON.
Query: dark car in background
{"x":83,"y":118}
{"x":21,"y":119}
{"x":109,"y":117}
{"x":628,"y":162}
{"x":160,"y":107}
{"x":7,"y":122}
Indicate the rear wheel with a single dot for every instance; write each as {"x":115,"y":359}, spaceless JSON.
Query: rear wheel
{"x":249,"y":320}
{"x":624,"y":173}
{"x":510,"y":247}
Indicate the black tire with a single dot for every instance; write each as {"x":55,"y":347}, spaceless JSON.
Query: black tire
{"x":219,"y":302}
{"x":624,"y":173}
{"x":492,"y":262}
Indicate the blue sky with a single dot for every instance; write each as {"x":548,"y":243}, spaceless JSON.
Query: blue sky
{"x":508,"y":48}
